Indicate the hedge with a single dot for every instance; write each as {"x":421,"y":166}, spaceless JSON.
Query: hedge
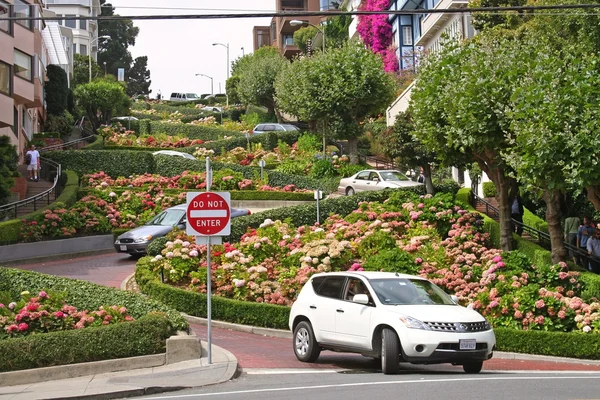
{"x":560,"y":344}
{"x":489,"y":189}
{"x":223,"y":309}
{"x":145,"y":336}
{"x":114,"y":163}
{"x":201,"y":132}
{"x":10,"y":231}
{"x":97,"y":144}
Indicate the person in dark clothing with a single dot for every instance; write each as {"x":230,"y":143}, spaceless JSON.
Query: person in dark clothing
{"x":516,"y":213}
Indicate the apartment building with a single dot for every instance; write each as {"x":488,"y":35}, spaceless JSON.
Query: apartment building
{"x":85,"y":32}
{"x":59,"y":41}
{"x":280,"y":33}
{"x":23,"y":60}
{"x":422,"y":33}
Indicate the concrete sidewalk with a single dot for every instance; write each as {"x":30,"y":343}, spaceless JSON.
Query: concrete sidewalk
{"x":135,"y":382}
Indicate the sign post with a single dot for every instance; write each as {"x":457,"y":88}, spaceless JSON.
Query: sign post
{"x":318,"y":196}
{"x":208,"y":214}
{"x":262,"y":165}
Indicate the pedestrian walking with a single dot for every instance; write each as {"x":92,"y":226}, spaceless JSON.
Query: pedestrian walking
{"x":584,"y":232}
{"x":32,"y":158}
{"x":572,"y":224}
{"x":516,"y":213}
{"x":593,"y":249}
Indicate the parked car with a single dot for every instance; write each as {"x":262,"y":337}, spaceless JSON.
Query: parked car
{"x":212,"y":109}
{"x":177,"y":96}
{"x":125,"y":118}
{"x":174,"y":153}
{"x":271,"y":127}
{"x":389,"y":316}
{"x":136,"y":241}
{"x":373,"y":179}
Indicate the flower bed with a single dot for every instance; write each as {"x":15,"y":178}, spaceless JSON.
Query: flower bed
{"x":119,"y":136}
{"x":429,"y":236}
{"x":46,"y":313}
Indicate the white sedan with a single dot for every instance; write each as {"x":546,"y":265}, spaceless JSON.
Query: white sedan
{"x":389,"y":316}
{"x":373,"y":179}
{"x":174,"y":153}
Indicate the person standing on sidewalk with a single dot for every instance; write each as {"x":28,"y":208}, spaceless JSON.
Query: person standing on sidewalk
{"x":584,"y":232}
{"x":516,"y":212}
{"x":571,"y":226}
{"x":34,"y":162}
{"x":593,"y":248}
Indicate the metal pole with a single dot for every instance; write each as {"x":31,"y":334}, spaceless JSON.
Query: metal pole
{"x":208,"y":272}
{"x":90,"y":62}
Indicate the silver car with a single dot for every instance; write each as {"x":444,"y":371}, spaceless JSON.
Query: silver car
{"x":273,"y":127}
{"x":136,"y":241}
{"x":373,"y":179}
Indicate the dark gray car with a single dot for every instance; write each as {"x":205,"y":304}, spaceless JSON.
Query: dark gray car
{"x":136,"y":241}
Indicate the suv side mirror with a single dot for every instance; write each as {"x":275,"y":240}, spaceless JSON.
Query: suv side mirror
{"x":454,"y":298}
{"x":361,"y":299}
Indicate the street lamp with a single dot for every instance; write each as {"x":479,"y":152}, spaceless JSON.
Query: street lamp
{"x":296,"y":22}
{"x":227,"y":47}
{"x":211,"y":82}
{"x":90,"y":53}
{"x":104,"y":68}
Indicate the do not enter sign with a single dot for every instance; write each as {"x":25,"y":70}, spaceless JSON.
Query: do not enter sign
{"x":208,"y":214}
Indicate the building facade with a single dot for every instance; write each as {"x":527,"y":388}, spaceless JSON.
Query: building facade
{"x":281,"y":32}
{"x":85,"y":32}
{"x":23,"y":60}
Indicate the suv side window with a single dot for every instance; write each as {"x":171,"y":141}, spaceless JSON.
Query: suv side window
{"x":269,"y":128}
{"x":331,"y":287}
{"x":259,"y":128}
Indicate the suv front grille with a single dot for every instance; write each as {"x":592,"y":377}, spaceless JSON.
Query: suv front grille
{"x":459,"y":326}
{"x":455,"y":346}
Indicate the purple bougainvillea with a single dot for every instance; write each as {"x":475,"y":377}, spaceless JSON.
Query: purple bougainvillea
{"x":376,"y":32}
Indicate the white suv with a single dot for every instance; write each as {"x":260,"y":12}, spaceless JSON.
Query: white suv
{"x":389,"y":316}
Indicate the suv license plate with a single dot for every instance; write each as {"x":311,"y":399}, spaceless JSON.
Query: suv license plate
{"x":123,"y":247}
{"x":467,"y":344}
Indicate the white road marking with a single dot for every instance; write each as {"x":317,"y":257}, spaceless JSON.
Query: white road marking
{"x":422,"y":380}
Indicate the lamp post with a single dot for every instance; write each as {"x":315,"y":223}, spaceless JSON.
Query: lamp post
{"x":296,"y":22}
{"x":243,"y":52}
{"x":211,"y":82}
{"x":90,"y":53}
{"x":104,"y":68}
{"x":227,"y":47}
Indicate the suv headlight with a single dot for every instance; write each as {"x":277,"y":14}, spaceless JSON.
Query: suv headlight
{"x":414,"y":323}
{"x":143,"y":239}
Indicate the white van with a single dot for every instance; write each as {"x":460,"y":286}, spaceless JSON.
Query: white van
{"x":184,"y":97}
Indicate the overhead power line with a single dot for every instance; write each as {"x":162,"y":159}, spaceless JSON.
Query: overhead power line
{"x":519,"y":9}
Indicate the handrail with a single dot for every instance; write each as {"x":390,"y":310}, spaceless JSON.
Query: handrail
{"x":386,"y":164}
{"x":47,"y":166}
{"x":542,"y":237}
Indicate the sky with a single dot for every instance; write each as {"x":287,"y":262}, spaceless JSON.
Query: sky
{"x":179,"y":49}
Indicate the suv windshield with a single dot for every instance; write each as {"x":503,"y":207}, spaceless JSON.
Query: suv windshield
{"x":402,"y":291}
{"x":393,"y":176}
{"x":167,"y":218}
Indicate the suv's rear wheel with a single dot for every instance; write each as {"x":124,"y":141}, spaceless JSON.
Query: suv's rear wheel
{"x":390,"y":351}
{"x":473,"y":367}
{"x":306,"y":347}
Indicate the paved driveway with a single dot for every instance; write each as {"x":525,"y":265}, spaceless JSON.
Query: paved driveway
{"x":262,"y":352}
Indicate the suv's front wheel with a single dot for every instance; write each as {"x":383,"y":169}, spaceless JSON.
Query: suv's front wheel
{"x":390,"y":351}
{"x":306,"y":347}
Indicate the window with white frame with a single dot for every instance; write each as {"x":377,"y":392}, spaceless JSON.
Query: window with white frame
{"x":5,"y":25}
{"x":70,"y":23}
{"x":83,"y":24}
{"x":5,"y":78}
{"x":407,"y":35}
{"x":22,"y":10}
{"x":23,"y":65}
{"x":83,"y":50}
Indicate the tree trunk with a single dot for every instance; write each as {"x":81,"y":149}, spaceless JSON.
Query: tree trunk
{"x":428,"y":182}
{"x":353,"y":150}
{"x":552,"y":200}
{"x":312,"y":125}
{"x":488,"y":164}
{"x":593,"y":195}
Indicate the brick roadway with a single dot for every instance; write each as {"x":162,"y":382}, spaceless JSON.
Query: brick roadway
{"x":255,"y":351}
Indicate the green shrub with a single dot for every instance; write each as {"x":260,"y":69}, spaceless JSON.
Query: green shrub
{"x":193,"y":303}
{"x":97,"y":144}
{"x":201,"y":132}
{"x":62,"y":123}
{"x":489,"y":189}
{"x":156,"y":246}
{"x":114,"y":163}
{"x":145,"y":336}
{"x":322,"y":169}
{"x":577,"y":345}
{"x":144,"y":127}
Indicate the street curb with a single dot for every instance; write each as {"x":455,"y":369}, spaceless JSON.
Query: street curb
{"x":536,"y":357}
{"x":66,"y":256}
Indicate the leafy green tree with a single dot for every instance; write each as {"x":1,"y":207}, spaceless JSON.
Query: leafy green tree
{"x":56,"y":90}
{"x":399,"y":142}
{"x":339,"y":88}
{"x":114,"y":52}
{"x":101,"y":99}
{"x":231,"y":87}
{"x":337,"y":31}
{"x":8,"y":167}
{"x":257,"y":72}
{"x":138,"y":77}
{"x":303,"y":35}
{"x":81,"y":71}
{"x":459,"y":104}
{"x":508,"y":20}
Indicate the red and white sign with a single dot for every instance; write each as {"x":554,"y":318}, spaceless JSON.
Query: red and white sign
{"x":208,"y":213}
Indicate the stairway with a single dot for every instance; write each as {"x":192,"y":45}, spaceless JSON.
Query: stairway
{"x":33,"y":189}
